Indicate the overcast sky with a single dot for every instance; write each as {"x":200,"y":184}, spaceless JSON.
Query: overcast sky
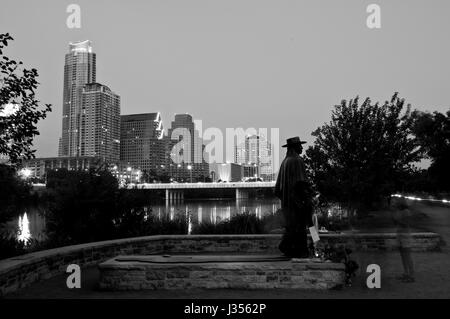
{"x":238,"y":63}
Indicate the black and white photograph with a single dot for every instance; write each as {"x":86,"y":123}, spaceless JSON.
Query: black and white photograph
{"x":224,"y":153}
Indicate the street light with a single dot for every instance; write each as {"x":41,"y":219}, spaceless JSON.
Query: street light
{"x":138,"y":176}
{"x":25,"y":172}
{"x":114,"y":169}
{"x":189,"y":167}
{"x":129,"y":172}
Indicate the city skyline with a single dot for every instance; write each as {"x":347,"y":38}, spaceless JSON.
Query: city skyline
{"x":224,"y":149}
{"x":236,"y":74}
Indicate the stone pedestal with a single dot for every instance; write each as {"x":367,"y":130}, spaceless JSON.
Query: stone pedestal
{"x":207,"y":271}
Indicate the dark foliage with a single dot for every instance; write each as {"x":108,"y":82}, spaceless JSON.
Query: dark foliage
{"x":10,"y":246}
{"x":339,"y":254}
{"x":81,"y":206}
{"x":18,"y":129}
{"x":14,"y":192}
{"x":359,"y":158}
{"x":245,"y":223}
{"x":141,"y":222}
{"x":89,"y":206}
{"x":433,"y":132}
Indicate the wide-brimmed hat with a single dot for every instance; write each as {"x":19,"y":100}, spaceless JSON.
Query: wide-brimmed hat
{"x":293,"y":141}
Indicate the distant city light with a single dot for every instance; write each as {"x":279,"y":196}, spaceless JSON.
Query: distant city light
{"x":445,"y":201}
{"x":8,"y":109}
{"x":25,"y":172}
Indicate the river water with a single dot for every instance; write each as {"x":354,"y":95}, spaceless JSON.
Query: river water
{"x":31,"y":223}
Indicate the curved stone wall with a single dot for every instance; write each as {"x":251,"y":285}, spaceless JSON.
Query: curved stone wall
{"x":21,"y":271}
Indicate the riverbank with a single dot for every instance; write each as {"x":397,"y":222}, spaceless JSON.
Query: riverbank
{"x":432,"y":276}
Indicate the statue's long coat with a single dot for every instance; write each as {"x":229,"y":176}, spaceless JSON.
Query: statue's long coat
{"x":291,"y":189}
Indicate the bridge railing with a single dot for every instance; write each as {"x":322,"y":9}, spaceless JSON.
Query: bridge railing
{"x":201,"y":185}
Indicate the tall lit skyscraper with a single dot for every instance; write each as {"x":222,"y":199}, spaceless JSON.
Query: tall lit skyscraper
{"x":91,"y":111}
{"x":100,"y":123}
{"x":255,"y":154}
{"x":79,"y":69}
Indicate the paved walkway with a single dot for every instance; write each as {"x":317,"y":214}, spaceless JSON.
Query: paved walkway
{"x":432,"y":277}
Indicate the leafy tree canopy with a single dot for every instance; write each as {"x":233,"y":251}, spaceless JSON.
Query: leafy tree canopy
{"x":433,"y":133}
{"x":360,"y":156}
{"x":19,"y":109}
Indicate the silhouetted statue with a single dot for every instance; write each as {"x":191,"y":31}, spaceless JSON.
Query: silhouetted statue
{"x":296,"y":204}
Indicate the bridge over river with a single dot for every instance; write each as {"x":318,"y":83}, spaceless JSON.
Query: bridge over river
{"x":175,"y":191}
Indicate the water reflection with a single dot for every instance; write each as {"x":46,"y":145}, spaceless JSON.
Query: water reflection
{"x":31,"y":223}
{"x":28,"y":225}
{"x":24,"y":228}
{"x":215,"y":211}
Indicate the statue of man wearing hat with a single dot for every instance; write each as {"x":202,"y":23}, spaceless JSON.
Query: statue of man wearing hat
{"x":293,"y":190}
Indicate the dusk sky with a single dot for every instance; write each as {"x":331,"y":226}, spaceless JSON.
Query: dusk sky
{"x":238,"y":63}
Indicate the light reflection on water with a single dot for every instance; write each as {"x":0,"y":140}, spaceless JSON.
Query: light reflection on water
{"x":31,"y":224}
{"x":24,"y":228}
{"x":215,"y":211}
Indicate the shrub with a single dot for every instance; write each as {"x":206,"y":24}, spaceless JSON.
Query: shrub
{"x":141,"y":222}
{"x":10,"y":246}
{"x":245,"y":223}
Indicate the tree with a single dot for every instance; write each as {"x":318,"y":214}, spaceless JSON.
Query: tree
{"x":81,"y":206}
{"x":19,"y":109}
{"x":360,"y":156}
{"x":87,"y":206}
{"x":433,"y":133}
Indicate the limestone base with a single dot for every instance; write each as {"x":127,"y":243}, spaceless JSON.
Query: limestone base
{"x":213,"y":272}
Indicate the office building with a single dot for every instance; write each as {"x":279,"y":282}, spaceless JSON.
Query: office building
{"x":143,"y":145}
{"x":255,"y":155}
{"x":100,"y":123}
{"x":39,"y":167}
{"x":226,"y":172}
{"x":190,"y":164}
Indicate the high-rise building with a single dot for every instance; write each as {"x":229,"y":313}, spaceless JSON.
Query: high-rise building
{"x":91,"y":111}
{"x":255,"y":154}
{"x":39,"y":167}
{"x":191,"y":165}
{"x":142,"y":142}
{"x":100,"y":123}
{"x":79,"y":69}
{"x":226,"y":172}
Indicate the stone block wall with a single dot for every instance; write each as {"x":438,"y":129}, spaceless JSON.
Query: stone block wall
{"x":21,"y":271}
{"x":132,"y":275}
